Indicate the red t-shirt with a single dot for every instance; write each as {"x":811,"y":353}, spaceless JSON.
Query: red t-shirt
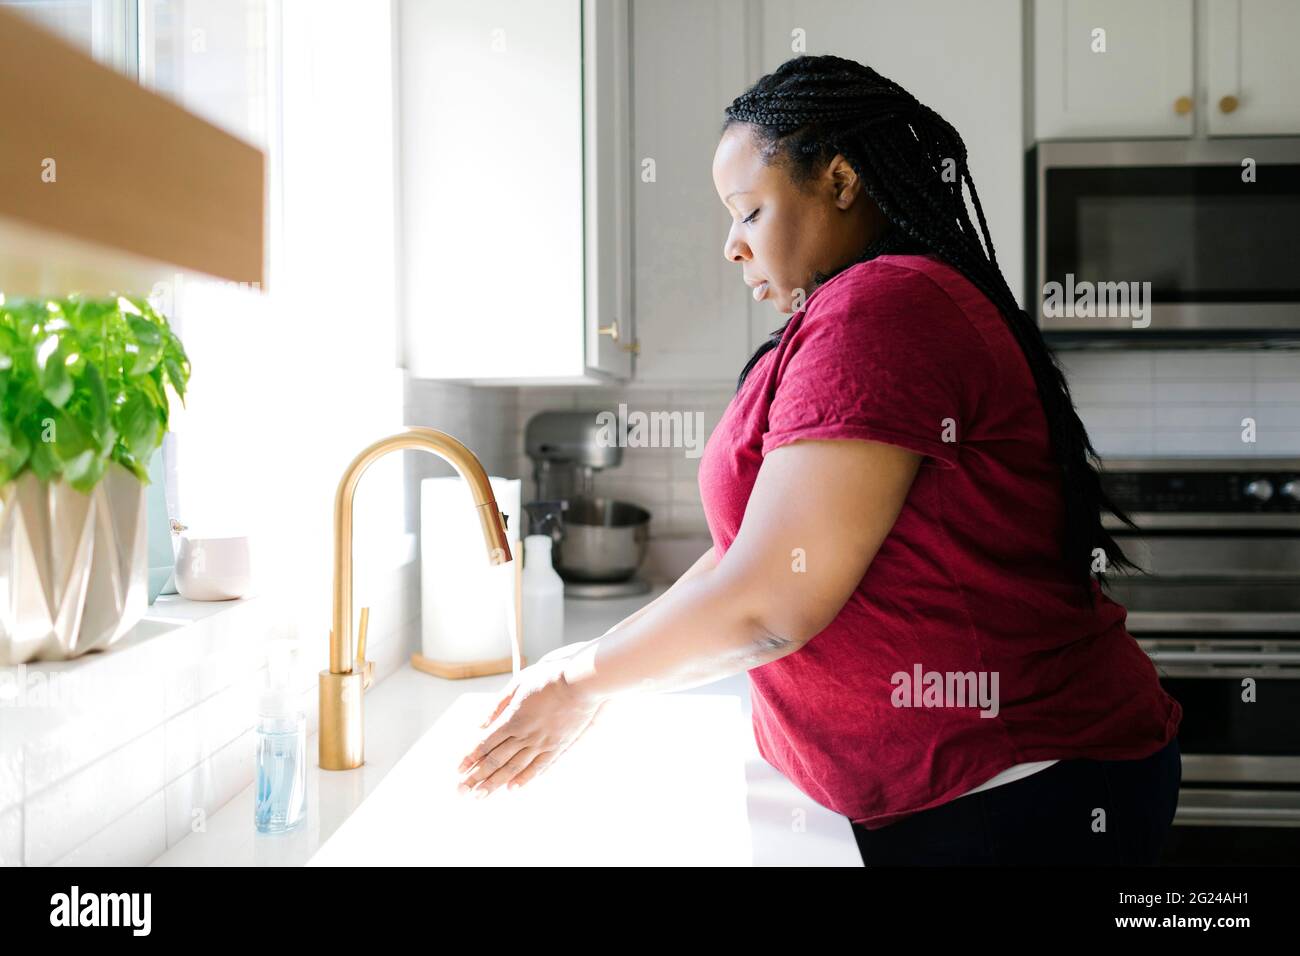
{"x":905,"y":350}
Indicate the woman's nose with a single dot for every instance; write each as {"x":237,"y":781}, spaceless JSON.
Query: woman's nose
{"x":733,"y":250}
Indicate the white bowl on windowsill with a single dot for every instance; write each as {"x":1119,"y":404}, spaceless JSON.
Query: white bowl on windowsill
{"x":213,"y":567}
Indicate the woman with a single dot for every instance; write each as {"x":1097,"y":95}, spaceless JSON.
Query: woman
{"x":907,"y":534}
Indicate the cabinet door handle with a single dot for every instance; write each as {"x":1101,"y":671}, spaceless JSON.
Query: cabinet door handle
{"x":612,"y":331}
{"x":1228,"y":103}
{"x":1183,"y":105}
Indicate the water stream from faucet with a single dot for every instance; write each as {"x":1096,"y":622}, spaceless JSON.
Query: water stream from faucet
{"x":512,"y":624}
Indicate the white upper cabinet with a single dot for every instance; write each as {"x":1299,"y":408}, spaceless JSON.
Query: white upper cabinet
{"x":514,"y":182}
{"x":1148,"y":81}
{"x":1252,"y":67}
{"x":691,"y":303}
{"x":1113,"y":68}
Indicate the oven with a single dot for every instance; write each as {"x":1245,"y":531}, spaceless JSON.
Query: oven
{"x":1218,"y":611}
{"x":1202,"y":229}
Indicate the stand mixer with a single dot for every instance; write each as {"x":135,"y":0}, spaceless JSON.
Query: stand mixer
{"x":598,"y":542}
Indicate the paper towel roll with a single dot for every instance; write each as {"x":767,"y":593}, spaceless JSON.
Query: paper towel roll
{"x":464,"y":600}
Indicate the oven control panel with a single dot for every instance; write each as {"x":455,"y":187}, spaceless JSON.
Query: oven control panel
{"x":1241,"y":491}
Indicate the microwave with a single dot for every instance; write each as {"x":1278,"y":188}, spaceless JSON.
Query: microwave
{"x":1143,"y":240}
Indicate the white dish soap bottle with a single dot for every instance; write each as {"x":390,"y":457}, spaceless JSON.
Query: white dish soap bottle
{"x":543,"y":599}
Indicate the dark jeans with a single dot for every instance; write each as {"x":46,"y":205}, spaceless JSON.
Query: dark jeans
{"x":1048,"y":818}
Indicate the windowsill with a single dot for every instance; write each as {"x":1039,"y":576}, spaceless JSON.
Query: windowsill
{"x":182,"y":650}
{"x":174,"y":636}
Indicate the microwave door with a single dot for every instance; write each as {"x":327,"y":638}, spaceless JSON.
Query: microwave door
{"x":1140,"y":244}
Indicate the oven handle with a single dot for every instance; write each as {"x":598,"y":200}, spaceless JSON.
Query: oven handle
{"x":1224,"y":657}
{"x":1192,"y":813}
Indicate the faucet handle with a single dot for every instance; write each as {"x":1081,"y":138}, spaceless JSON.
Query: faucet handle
{"x":361,"y":634}
{"x":366,"y":667}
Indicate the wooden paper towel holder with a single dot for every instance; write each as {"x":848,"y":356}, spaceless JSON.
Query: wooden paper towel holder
{"x":456,"y":670}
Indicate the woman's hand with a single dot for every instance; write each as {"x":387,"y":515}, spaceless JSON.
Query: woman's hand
{"x":539,"y":717}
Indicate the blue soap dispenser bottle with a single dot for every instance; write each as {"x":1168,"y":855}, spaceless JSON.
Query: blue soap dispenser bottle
{"x":280,"y":799}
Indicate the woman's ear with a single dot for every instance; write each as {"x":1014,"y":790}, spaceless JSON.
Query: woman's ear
{"x":845,"y":182}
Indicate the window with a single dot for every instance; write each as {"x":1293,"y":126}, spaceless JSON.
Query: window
{"x":215,"y":58}
{"x":288,"y":384}
{"x":106,"y":29}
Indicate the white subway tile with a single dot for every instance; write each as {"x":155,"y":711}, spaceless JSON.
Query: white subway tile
{"x":209,"y":786}
{"x":1224,"y":442}
{"x":700,"y":398}
{"x":195,"y":735}
{"x":1118,"y":444}
{"x":1110,"y":392}
{"x":11,"y":770}
{"x":683,"y":467}
{"x":1104,"y":418}
{"x":646,"y":462}
{"x":11,"y":836}
{"x":1201,"y":393}
{"x":685,"y":491}
{"x":134,"y":839}
{"x":62,"y":817}
{"x":1280,"y":364}
{"x":1280,"y":392}
{"x":105,"y":712}
{"x":1207,"y":418}
{"x":1202,"y":366}
{"x":1107,"y":366}
{"x":543,"y":399}
{"x":645,"y":396}
{"x":1283,"y":442}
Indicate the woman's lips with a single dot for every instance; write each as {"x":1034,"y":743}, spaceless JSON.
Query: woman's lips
{"x":760,"y":291}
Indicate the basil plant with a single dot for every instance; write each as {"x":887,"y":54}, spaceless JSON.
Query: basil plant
{"x":83,"y":383}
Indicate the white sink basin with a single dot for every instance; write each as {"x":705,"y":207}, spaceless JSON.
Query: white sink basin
{"x":655,"y":780}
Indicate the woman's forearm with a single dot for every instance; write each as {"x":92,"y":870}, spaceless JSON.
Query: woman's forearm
{"x":703,"y":632}
{"x":705,"y":562}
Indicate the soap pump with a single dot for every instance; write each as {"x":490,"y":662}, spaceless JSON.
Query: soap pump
{"x":280,"y":801}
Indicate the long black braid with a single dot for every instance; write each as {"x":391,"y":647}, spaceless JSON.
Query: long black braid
{"x":813,"y":107}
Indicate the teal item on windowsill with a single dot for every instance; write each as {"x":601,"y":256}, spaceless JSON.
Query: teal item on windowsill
{"x":162,"y":556}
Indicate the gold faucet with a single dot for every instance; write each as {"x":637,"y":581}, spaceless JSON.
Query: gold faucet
{"x":344,"y":684}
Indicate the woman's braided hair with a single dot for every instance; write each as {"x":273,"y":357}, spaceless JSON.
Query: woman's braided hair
{"x":813,"y":107}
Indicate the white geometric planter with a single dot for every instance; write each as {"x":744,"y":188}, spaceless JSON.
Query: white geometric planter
{"x":74,"y":568}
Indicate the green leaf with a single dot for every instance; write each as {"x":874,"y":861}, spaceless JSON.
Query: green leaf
{"x":177,"y":373}
{"x":145,"y":332}
{"x":56,"y":384}
{"x":96,"y":396}
{"x":146,"y":359}
{"x":43,"y":463}
{"x":14,"y":450}
{"x":78,"y":471}
{"x":138,"y":421}
{"x":72,"y":440}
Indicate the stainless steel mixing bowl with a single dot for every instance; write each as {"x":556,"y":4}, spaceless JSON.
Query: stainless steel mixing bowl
{"x":596,"y":539}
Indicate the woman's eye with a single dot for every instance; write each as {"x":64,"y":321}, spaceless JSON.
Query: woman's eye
{"x":750,"y":217}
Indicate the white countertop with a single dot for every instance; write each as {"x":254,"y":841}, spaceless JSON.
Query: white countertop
{"x":787,"y":828}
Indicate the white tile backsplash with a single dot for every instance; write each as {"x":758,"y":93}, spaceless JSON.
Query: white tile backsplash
{"x":60,"y":818}
{"x":134,"y":839}
{"x":194,"y":736}
{"x":197,"y":794}
{"x":1186,"y":403}
{"x":11,"y":836}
